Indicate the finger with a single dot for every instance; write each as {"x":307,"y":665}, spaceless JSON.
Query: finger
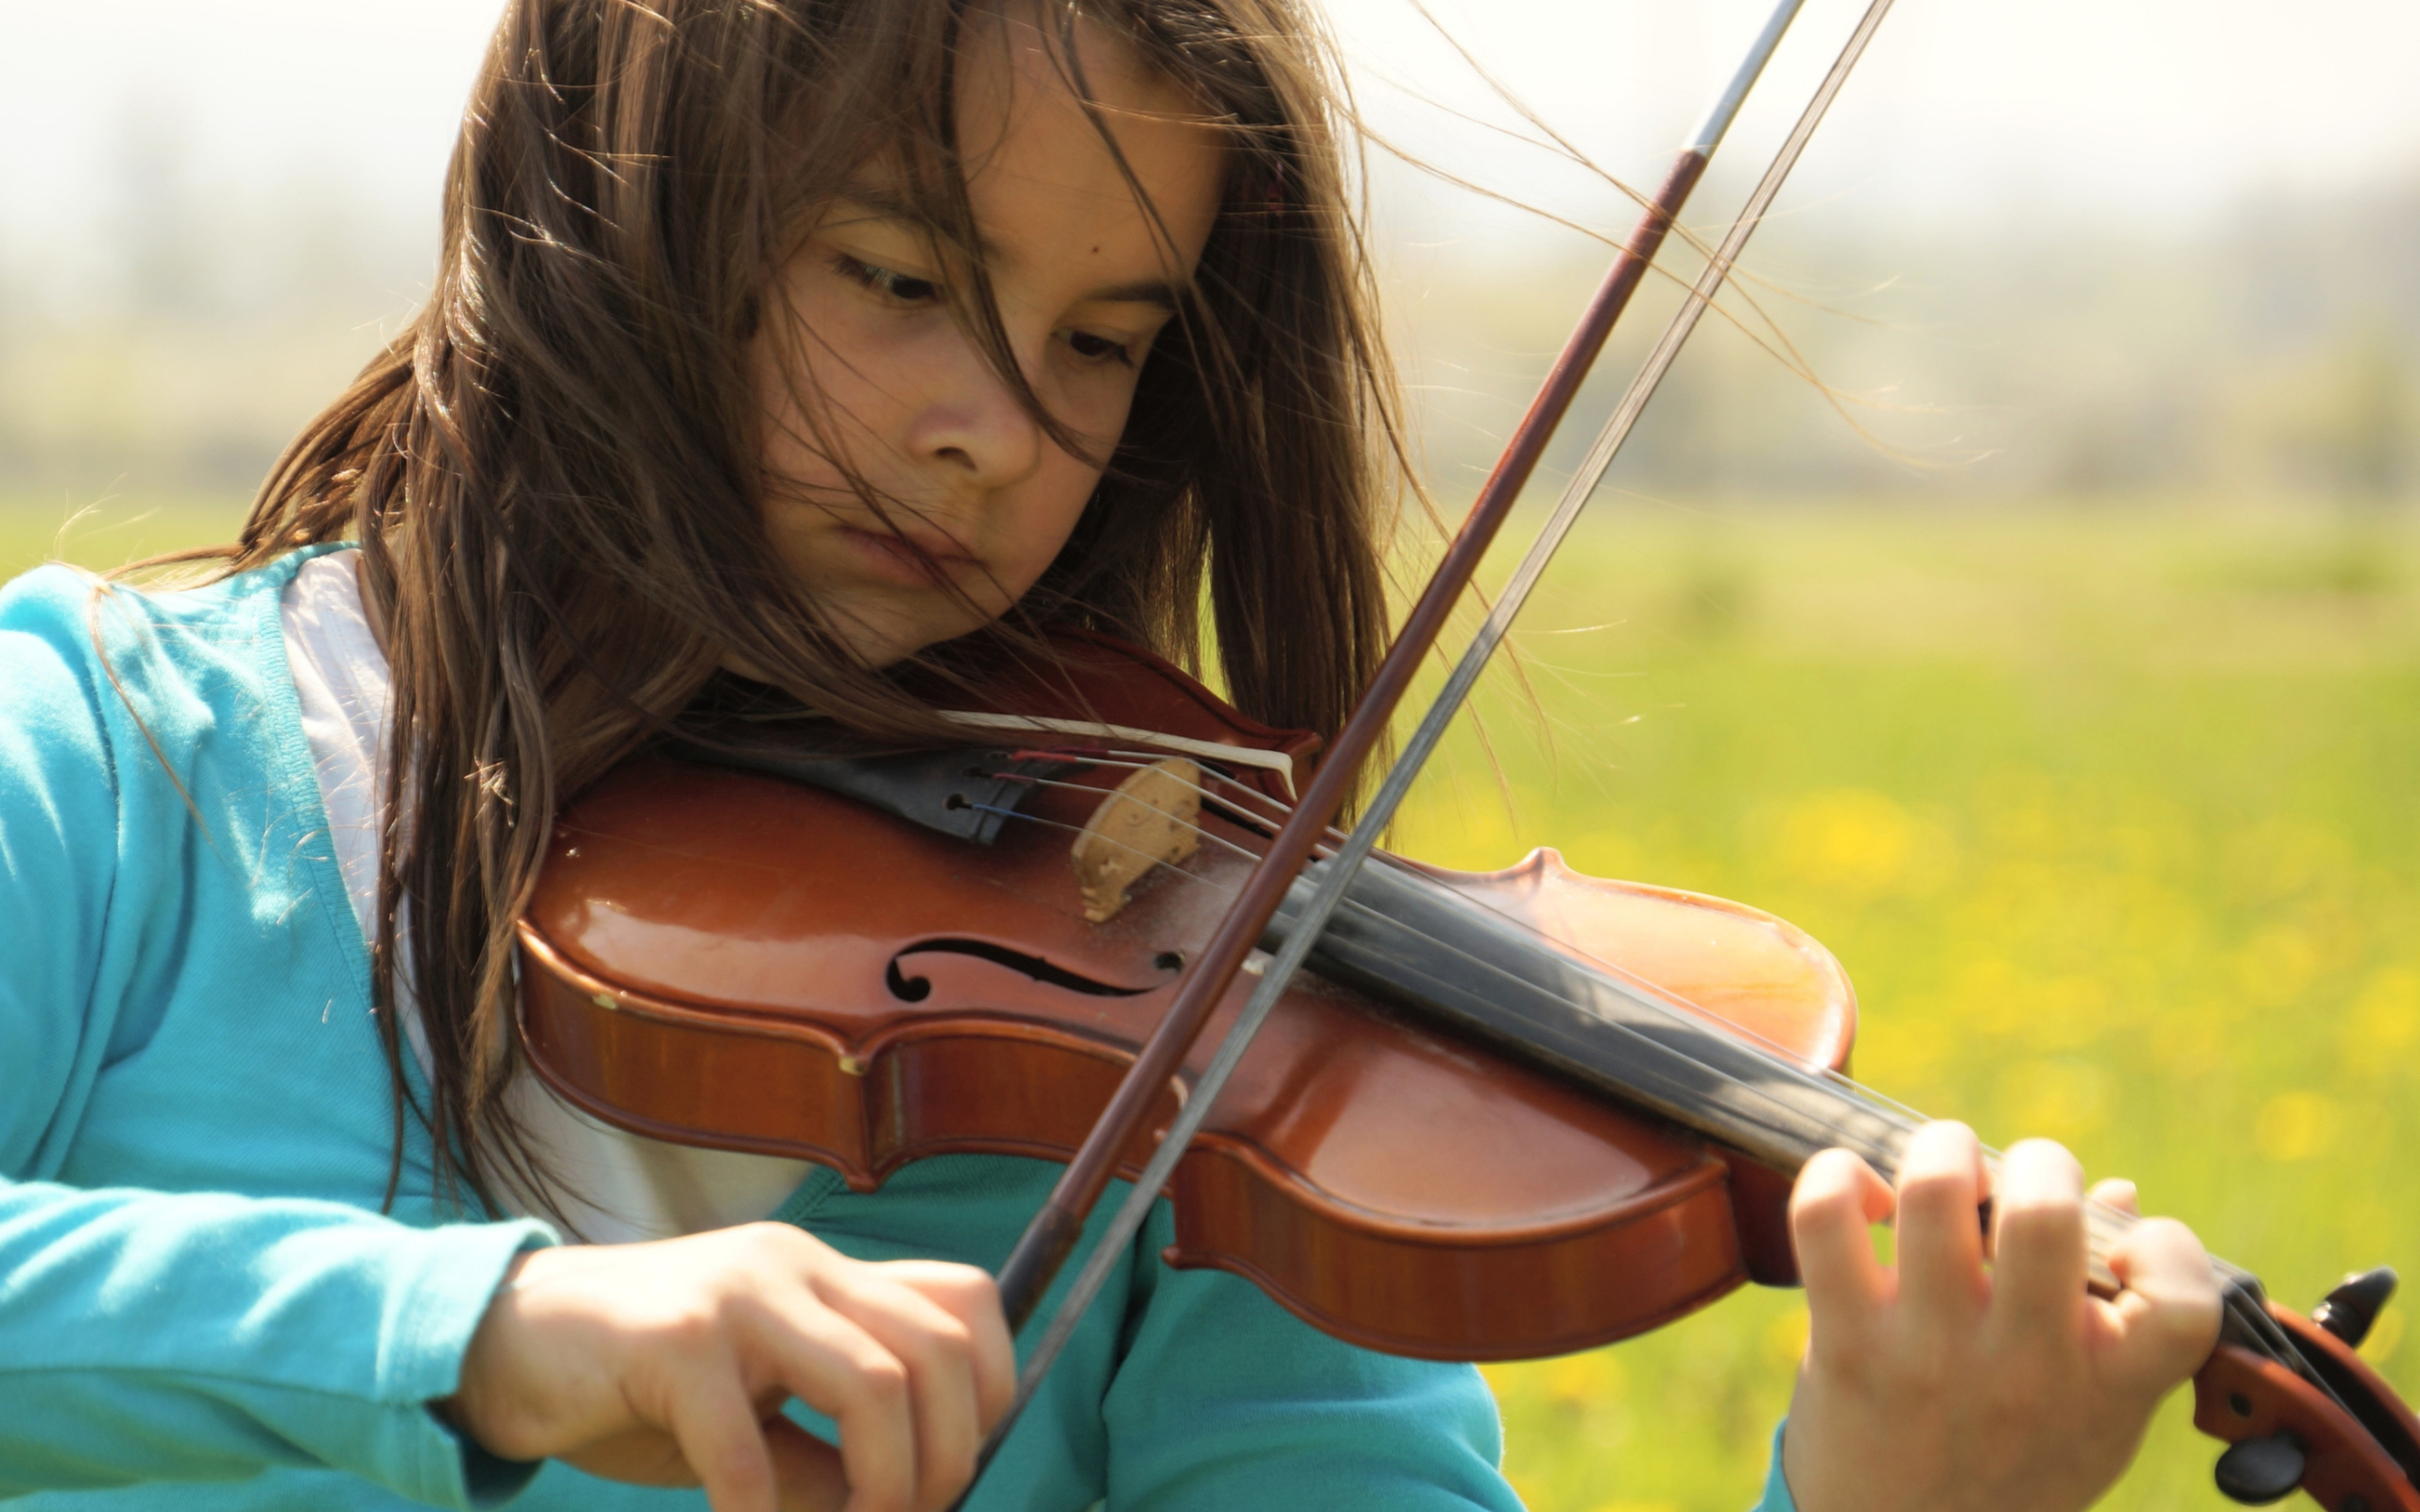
{"x":2118,"y":1194}
{"x":2038,"y":1270}
{"x":808,"y":1469}
{"x":2166,"y":1318}
{"x":1940,"y":1229}
{"x":1832,"y":1207}
{"x":834,"y":1365}
{"x":969,"y":1295}
{"x":938,"y":1350}
{"x":715,"y":1424}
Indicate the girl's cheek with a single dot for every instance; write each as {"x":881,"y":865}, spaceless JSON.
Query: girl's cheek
{"x":1094,"y":401}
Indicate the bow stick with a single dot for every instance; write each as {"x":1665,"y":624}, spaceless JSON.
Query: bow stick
{"x":1054,"y":1231}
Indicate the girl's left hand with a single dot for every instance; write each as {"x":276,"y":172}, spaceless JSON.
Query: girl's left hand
{"x":1946,"y":1386}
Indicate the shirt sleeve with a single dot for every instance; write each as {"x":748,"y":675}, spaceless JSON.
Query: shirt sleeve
{"x":1225,"y":1400}
{"x":149,"y":1336}
{"x":160,"y":1337}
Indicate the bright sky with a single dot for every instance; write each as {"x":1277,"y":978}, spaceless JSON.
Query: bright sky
{"x":2153,"y":108}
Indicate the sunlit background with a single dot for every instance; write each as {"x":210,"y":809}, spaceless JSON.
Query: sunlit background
{"x":2017,"y":589}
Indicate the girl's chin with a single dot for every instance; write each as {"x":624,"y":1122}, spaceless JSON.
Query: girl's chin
{"x":887,"y":631}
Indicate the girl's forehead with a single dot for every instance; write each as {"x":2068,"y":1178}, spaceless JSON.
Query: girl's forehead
{"x":1041,"y":172}
{"x":1009,"y":73}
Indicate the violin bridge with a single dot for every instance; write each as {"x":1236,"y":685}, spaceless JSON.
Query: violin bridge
{"x":1152,"y":817}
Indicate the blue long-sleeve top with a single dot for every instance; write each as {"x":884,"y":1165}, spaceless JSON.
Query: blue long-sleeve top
{"x":201,"y":1302}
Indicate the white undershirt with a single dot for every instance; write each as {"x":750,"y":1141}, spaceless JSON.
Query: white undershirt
{"x":615,"y":1187}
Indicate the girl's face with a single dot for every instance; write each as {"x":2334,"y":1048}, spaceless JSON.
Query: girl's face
{"x":1083,"y":281}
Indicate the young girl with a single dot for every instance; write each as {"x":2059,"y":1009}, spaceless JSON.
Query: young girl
{"x":834,"y":345}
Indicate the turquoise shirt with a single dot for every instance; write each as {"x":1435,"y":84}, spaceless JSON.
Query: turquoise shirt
{"x":202,"y":1304}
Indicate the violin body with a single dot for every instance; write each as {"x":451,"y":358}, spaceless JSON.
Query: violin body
{"x":723,"y":958}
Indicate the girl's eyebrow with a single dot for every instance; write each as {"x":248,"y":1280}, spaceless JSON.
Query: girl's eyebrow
{"x":879,"y":205}
{"x":1142,"y":291}
{"x":876,"y":205}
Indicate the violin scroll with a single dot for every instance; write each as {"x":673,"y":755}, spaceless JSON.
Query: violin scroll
{"x":2340,"y":1433}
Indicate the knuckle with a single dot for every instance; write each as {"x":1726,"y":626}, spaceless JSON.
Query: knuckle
{"x":891,"y":1493}
{"x":1943,"y":1141}
{"x":690,"y":1329}
{"x":1844,"y":1352}
{"x":2158,"y":1236}
{"x":739,"y":1470}
{"x":2028,"y":1375}
{"x":2186,"y":1326}
{"x":1904,"y":1376}
{"x":1821,"y":1203}
{"x":967,"y":1285}
{"x":775,"y":1242}
{"x":950,"y":1336}
{"x":1861,"y":1355}
{"x":2017,"y":1393}
{"x":1929,"y":1368}
{"x":2040,"y":1220}
{"x":2049,"y":1152}
{"x":881,"y":1378}
{"x":1933,"y":1194}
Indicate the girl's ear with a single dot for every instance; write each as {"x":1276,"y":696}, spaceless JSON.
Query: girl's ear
{"x":1259,"y":187}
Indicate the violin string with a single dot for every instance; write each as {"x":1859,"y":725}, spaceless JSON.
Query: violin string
{"x":1678,"y":1018}
{"x":2106,"y":1227}
{"x":1278,"y":810}
{"x":1359,"y":909}
{"x":1201,"y":792}
{"x":2279,"y":1345}
{"x":1876,"y":1098}
{"x":1678,"y":1010}
{"x":1138,"y":761}
{"x":1200,"y":830}
{"x":1193,"y":877}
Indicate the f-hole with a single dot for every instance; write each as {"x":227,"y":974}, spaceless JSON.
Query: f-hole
{"x":909,"y":988}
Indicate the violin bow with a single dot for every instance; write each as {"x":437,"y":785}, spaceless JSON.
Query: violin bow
{"x":1055,"y":1230}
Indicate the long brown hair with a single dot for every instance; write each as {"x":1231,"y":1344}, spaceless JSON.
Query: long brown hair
{"x":554,"y":477}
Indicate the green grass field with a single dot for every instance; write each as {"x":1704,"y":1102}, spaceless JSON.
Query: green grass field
{"x":2114,"y":816}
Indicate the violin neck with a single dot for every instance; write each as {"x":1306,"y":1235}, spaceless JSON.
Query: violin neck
{"x":1411,"y":941}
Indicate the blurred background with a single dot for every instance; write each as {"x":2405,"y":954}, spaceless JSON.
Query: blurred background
{"x":2017,"y":588}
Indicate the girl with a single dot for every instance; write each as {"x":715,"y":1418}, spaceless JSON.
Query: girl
{"x":831,"y":347}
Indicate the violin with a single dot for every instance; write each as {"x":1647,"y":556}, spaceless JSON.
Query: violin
{"x":1514,"y":1114}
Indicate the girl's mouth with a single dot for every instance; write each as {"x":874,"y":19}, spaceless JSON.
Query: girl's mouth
{"x":925,"y":563}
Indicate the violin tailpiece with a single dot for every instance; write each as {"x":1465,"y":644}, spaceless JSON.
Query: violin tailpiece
{"x":1151,"y":817}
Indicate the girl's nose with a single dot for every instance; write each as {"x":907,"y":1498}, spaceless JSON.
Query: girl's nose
{"x":971,"y":424}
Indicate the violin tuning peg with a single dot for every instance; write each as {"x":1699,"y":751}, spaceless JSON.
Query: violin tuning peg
{"x":2257,"y":1471}
{"x":2348,"y":1311}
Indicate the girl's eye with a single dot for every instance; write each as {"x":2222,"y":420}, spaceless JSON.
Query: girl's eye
{"x":889,"y":284}
{"x":1098,"y":349}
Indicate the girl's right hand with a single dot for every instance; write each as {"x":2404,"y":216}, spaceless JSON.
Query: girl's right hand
{"x":668,"y":1364}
